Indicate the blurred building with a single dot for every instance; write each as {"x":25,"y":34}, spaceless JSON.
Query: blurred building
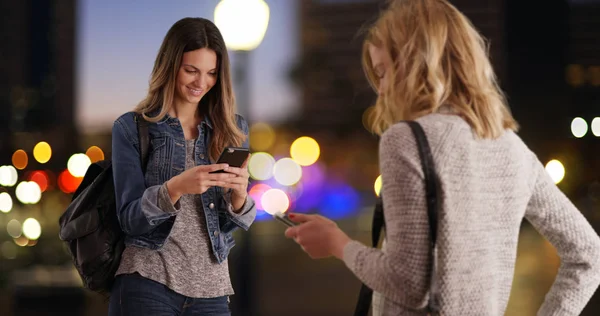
{"x":37,"y":82}
{"x":37,"y":88}
{"x":334,"y":89}
{"x":582,"y":74}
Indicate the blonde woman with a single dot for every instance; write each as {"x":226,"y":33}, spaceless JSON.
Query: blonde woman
{"x":429,"y":64}
{"x":178,"y":216}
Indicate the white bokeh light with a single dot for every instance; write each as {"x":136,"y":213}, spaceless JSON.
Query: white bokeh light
{"x":8,"y":176}
{"x":579,"y":127}
{"x":28,"y":192}
{"x":14,"y":228}
{"x":78,"y":164}
{"x":596,"y":126}
{"x":6,"y":202}
{"x":287,"y":171}
{"x":32,"y":228}
{"x":261,"y":166}
{"x":275,"y":201}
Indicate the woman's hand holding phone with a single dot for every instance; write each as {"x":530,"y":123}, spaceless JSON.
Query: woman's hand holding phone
{"x":238,"y":183}
{"x":197,"y":180}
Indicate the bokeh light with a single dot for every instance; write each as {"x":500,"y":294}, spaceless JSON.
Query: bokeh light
{"x":377,"y":185}
{"x":41,"y":178}
{"x":275,"y":201}
{"x":596,"y":126}
{"x":8,"y":176}
{"x":256,"y":192}
{"x":6,"y":203}
{"x":339,"y":201}
{"x":42,"y":152}
{"x":9,"y":250}
{"x":28,"y":192}
{"x":262,"y":137}
{"x":305,"y":151}
{"x":579,"y":127}
{"x":261,"y":166}
{"x":32,"y":228}
{"x":575,"y":75}
{"x":20,"y":159}
{"x":67,"y":182}
{"x":95,"y":154}
{"x":312,"y":184}
{"x":14,"y":228}
{"x":556,"y":170}
{"x":21,"y":241}
{"x":287,"y":171}
{"x":78,"y":164}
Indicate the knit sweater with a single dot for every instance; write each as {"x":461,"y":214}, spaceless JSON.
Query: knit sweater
{"x":487,"y":188}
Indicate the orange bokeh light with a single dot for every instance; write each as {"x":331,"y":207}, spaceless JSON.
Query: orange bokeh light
{"x":95,"y":153}
{"x":20,"y":159}
{"x":67,"y":182}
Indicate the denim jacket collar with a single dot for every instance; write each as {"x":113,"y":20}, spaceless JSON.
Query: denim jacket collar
{"x":169,"y":119}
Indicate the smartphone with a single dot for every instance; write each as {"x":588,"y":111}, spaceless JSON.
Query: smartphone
{"x":233,"y":156}
{"x":284,"y":219}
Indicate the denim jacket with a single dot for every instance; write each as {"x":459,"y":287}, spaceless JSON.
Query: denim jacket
{"x":143,"y":221}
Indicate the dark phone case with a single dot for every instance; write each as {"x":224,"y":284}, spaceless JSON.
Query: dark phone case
{"x":233,"y":156}
{"x":284,"y":218}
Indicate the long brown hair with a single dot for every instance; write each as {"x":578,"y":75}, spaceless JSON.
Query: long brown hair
{"x":438,"y":59}
{"x":186,"y":35}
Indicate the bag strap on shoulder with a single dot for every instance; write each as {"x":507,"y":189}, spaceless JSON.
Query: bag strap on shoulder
{"x":431,"y":181}
{"x":432,"y":197}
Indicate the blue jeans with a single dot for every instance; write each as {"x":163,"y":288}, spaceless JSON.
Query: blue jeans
{"x":133,"y":294}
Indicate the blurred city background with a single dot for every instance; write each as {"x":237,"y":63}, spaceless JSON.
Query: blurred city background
{"x":69,"y":68}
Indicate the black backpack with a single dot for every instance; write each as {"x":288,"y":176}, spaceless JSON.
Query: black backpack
{"x":90,"y":226}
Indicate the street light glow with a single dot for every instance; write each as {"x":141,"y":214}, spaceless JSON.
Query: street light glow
{"x":243,"y":23}
{"x":556,"y":170}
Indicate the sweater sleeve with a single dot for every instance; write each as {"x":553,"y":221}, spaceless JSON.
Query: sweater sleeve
{"x":576,"y":242}
{"x":405,"y":262}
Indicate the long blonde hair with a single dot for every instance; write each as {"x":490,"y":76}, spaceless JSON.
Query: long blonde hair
{"x":438,"y":59}
{"x":186,"y":35}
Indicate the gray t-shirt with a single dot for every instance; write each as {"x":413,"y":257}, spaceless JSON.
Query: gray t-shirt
{"x":185,"y":263}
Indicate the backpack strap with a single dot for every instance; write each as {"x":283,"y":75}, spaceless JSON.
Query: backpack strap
{"x":144,"y":139}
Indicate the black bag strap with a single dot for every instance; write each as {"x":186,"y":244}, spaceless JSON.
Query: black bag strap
{"x":365,"y":296}
{"x":144,"y":139}
{"x":431,"y":180}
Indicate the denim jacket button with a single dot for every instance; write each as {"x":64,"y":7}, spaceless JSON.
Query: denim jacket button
{"x":211,"y":205}
{"x":201,"y":156}
{"x":216,"y":233}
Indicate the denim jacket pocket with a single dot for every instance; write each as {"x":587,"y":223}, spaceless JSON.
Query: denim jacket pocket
{"x":158,"y":169}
